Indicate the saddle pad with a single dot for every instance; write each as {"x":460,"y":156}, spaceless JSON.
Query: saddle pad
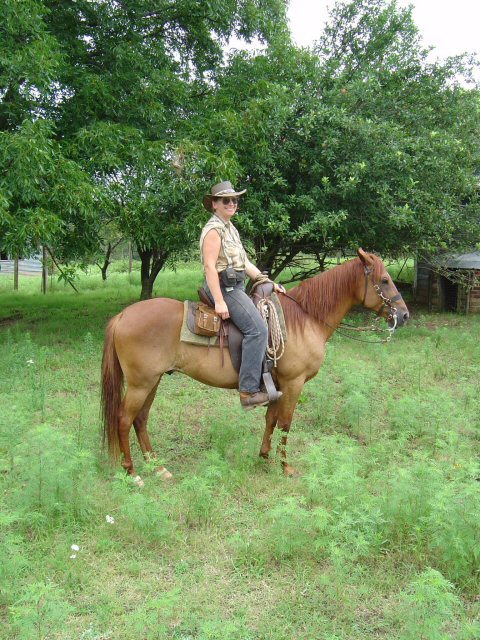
{"x":192,"y":338}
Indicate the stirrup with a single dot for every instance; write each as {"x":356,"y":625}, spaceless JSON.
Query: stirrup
{"x":271,"y":389}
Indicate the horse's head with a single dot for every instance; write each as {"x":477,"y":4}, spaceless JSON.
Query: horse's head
{"x":377,"y":291}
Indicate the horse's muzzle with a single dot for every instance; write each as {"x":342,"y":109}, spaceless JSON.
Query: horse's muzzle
{"x":402,"y":316}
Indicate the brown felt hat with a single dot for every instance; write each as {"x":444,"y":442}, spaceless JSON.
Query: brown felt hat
{"x":220,"y":190}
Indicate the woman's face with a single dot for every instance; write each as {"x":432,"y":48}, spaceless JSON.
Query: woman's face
{"x":225,"y":207}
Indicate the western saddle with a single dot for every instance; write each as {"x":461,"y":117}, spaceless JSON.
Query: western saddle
{"x":228,"y":333}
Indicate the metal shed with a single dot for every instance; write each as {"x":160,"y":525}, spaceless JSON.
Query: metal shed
{"x":29,"y":267}
{"x":449,"y":283}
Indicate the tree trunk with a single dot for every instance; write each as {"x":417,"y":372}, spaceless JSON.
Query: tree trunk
{"x":152,"y":261}
{"x":279,"y":267}
{"x":271,"y":261}
{"x":266,"y":259}
{"x":107,"y":262}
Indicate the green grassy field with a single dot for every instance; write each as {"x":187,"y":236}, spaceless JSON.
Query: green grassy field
{"x":378,"y":538}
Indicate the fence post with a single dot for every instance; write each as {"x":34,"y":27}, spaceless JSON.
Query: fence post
{"x":44,"y":270}
{"x":15,"y":274}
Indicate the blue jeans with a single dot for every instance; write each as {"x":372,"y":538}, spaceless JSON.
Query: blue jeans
{"x":247,"y":318}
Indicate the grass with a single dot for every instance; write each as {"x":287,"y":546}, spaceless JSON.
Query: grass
{"x":377,"y":538}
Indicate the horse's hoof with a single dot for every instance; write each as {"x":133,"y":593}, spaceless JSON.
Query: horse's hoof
{"x":164,"y":474}
{"x":290,"y":472}
{"x":138,"y":481}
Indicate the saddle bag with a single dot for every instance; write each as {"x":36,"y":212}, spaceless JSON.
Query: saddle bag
{"x":207,"y":322}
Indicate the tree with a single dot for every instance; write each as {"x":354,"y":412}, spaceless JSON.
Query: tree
{"x":361,"y":142}
{"x":134,"y":72}
{"x":123,"y":112}
{"x":44,"y":195}
{"x":105,"y":87}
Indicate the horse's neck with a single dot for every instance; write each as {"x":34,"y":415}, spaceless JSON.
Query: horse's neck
{"x":338,"y":314}
{"x":331,"y":297}
{"x":334,"y":317}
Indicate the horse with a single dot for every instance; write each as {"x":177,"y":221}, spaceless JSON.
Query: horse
{"x":142,"y":343}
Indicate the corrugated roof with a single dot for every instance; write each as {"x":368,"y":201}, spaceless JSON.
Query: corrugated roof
{"x":464,"y":261}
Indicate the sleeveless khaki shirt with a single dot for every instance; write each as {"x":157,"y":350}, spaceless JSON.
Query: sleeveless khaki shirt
{"x":232,"y":253}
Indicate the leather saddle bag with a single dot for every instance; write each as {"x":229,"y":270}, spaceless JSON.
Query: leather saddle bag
{"x":207,"y":322}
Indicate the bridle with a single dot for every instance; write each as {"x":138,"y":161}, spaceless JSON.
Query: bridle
{"x":386,"y":303}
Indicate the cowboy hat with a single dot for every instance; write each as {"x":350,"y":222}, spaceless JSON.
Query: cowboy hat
{"x":220,"y":190}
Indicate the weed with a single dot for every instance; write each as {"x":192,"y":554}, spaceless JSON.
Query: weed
{"x":453,"y":532}
{"x":154,"y":619}
{"x":52,"y":482}
{"x":429,"y":608}
{"x":146,"y":518}
{"x":41,"y":609}
{"x":197,"y":500}
{"x":290,"y":529}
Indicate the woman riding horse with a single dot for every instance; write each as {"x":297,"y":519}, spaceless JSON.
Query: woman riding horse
{"x":142,"y":343}
{"x":226,"y":264}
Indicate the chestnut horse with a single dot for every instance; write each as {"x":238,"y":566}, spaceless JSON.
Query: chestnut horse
{"x":143,"y":342}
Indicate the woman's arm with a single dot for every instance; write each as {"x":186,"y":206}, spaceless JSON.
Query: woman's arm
{"x":210,"y":250}
{"x":251,"y":269}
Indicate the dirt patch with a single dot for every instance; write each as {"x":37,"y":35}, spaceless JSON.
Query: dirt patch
{"x":433,"y":325}
{"x":9,"y":320}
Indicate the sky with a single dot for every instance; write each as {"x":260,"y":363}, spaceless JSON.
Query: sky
{"x":451,"y":26}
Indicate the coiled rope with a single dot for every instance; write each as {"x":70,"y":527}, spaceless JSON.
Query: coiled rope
{"x":276,"y":342}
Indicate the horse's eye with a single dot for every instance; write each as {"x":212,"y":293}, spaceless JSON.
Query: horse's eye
{"x":385,"y":280}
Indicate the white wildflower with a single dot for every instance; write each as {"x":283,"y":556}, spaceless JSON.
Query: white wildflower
{"x":73,"y":556}
{"x":110,"y":519}
{"x":29,"y":362}
{"x":75,"y":547}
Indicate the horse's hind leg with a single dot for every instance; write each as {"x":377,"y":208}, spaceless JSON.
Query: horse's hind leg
{"x":132,"y":403}
{"x":140,"y":424}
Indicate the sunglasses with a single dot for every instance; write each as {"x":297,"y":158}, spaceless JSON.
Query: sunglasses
{"x":228,"y":200}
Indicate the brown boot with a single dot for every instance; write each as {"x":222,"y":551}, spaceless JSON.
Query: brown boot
{"x":257,"y":399}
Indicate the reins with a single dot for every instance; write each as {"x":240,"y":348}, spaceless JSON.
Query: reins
{"x":386,"y":302}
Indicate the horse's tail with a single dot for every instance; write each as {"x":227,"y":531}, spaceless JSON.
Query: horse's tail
{"x":112,"y":385}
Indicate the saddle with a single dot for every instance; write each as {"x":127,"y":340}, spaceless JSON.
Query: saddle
{"x":201,"y":321}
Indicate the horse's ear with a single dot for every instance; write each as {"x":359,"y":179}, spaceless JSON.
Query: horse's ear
{"x":365,"y":258}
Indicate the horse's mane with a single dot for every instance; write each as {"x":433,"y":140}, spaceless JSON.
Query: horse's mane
{"x":317,"y":297}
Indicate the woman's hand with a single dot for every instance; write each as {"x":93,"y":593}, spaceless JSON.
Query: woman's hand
{"x":279,"y":288}
{"x":222,"y":309}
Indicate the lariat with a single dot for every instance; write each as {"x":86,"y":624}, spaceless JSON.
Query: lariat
{"x":276,"y":341}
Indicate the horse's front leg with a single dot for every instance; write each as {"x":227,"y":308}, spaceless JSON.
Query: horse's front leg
{"x":284,"y":423}
{"x":281,"y":416}
{"x":270,"y":424}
